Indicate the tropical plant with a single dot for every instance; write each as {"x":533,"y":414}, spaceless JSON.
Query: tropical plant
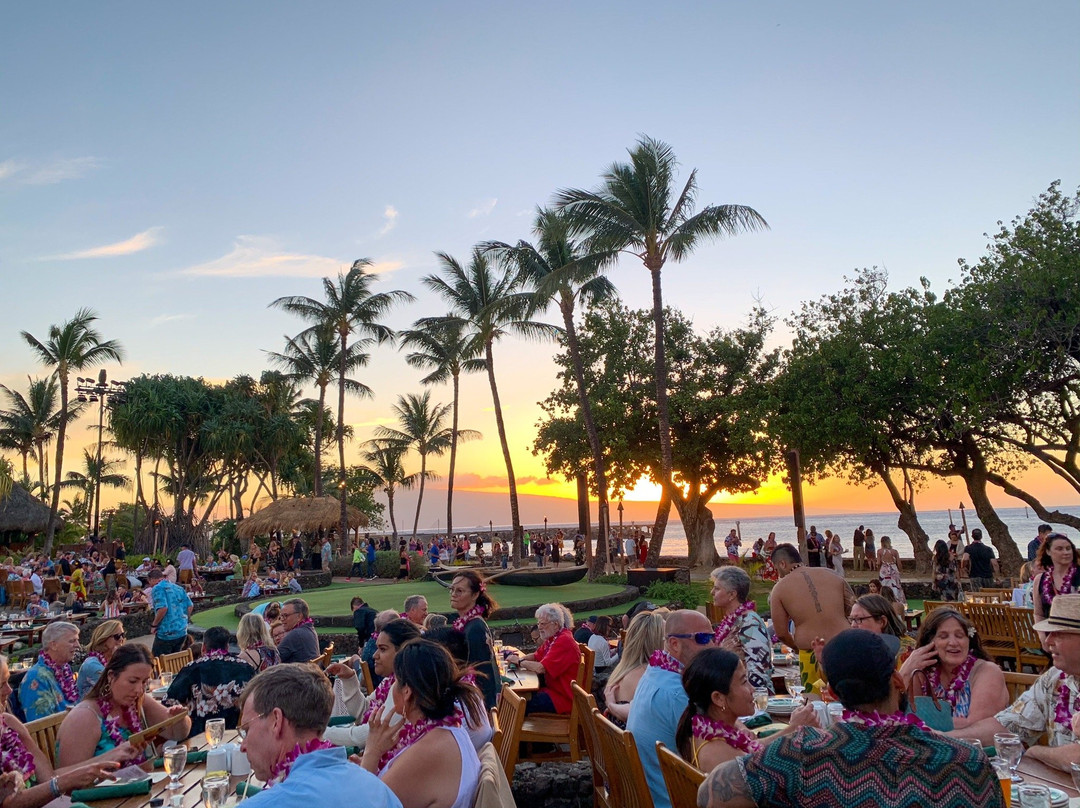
{"x":31,"y":423}
{"x":87,"y":481}
{"x":638,"y":210}
{"x":383,"y":467}
{"x":74,"y":345}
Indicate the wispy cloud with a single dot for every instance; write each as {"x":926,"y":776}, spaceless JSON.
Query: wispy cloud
{"x":137,"y":243}
{"x":162,"y":319}
{"x":391,"y":217}
{"x":60,"y":170}
{"x":262,"y":257}
{"x":484,"y":208}
{"x":9,"y":168}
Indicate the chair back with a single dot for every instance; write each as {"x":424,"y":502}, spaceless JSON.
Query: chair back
{"x":365,"y":673}
{"x":629,"y":789}
{"x":44,"y":730}
{"x":51,"y":586}
{"x":496,"y":730}
{"x":511,"y":718}
{"x":681,"y":778}
{"x":493,"y":789}
{"x":994,"y":624}
{"x":1018,"y":683}
{"x":585,"y":668}
{"x":172,"y":663}
{"x":930,"y":605}
{"x":1028,"y":643}
{"x":585,"y":704}
{"x":323,"y":659}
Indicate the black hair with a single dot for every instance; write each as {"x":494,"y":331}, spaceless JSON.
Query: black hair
{"x":941,"y":555}
{"x":710,"y":671}
{"x":486,"y":603}
{"x":786,"y":552}
{"x":452,"y":639}
{"x":400,"y":631}
{"x":436,"y":682}
{"x":216,"y":639}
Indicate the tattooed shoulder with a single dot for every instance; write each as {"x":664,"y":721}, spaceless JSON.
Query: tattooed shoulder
{"x":723,"y":785}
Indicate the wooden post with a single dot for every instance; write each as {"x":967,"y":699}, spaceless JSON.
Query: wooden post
{"x":795,"y":479}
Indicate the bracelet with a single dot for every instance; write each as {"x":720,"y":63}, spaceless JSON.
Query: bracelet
{"x":54,"y":786}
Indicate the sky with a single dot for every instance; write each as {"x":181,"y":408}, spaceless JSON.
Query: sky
{"x":178,"y":167}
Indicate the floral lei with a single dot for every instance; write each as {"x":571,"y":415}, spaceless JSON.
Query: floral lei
{"x":724,"y":627}
{"x":112,"y":725}
{"x":217,"y":653}
{"x":542,"y":651}
{"x":14,"y":756}
{"x":473,"y":613}
{"x":952,"y":693}
{"x":63,"y":676}
{"x":665,"y":661}
{"x":876,"y":719}
{"x":378,"y":698}
{"x":100,"y":657}
{"x":411,"y":733}
{"x":307,"y":621}
{"x":282,"y":768}
{"x":1066,"y":706}
{"x":708,"y":729}
{"x":1067,"y":580}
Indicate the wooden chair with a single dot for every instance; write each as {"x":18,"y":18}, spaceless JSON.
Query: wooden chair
{"x":493,"y":789}
{"x":365,"y":675}
{"x":1000,"y":595}
{"x":681,"y":778}
{"x":496,"y":730}
{"x":51,"y":586}
{"x":1028,"y":644}
{"x":930,"y":605}
{"x":44,"y":730}
{"x":586,"y":704}
{"x":630,"y":788}
{"x":586,"y":667}
{"x":511,"y":716}
{"x":172,"y":663}
{"x":555,"y":728}
{"x":994,"y":624}
{"x":1018,"y":683}
{"x":19,"y":592}
{"x":323,"y":659}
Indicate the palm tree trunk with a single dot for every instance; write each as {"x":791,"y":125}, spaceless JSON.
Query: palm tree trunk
{"x":663,"y":414}
{"x":390,"y":507}
{"x":420,"y":497}
{"x":317,"y":487}
{"x":515,"y":515}
{"x":25,"y":469}
{"x":343,"y":534}
{"x":453,"y":462}
{"x":61,"y":434}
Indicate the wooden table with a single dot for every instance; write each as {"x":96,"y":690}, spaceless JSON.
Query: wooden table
{"x":1036,"y":772}
{"x":913,"y":619}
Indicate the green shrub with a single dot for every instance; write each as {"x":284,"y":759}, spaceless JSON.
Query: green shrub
{"x":664,"y":592}
{"x":386,"y":564}
{"x":615,"y":580}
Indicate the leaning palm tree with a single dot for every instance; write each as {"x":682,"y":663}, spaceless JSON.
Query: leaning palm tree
{"x":74,"y":345}
{"x":559,"y":270}
{"x":313,"y":356}
{"x":350,"y":307}
{"x":422,"y":427}
{"x":87,"y":479}
{"x":443,"y":347}
{"x":383,"y":467}
{"x":490,"y":306}
{"x":636,"y":209}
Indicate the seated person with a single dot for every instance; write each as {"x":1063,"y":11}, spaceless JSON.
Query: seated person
{"x":210,"y":687}
{"x":557,"y":659}
{"x":107,"y":637}
{"x":453,"y":641}
{"x":598,"y":642}
{"x":273,"y":578}
{"x":814,"y":768}
{"x":252,"y":587}
{"x":36,"y":607}
{"x":49,"y":686}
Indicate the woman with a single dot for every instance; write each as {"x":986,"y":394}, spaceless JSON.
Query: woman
{"x":768,"y":573}
{"x":403,"y":562}
{"x":1059,"y":562}
{"x":955,"y":668}
{"x":112,"y":604}
{"x":709,"y":731}
{"x":869,"y":550}
{"x":430,"y":759}
{"x":257,"y":647}
{"x":835,"y":550}
{"x":454,"y":641}
{"x":644,"y":636}
{"x":297,"y":553}
{"x":557,"y":659}
{"x":115,"y":709}
{"x":598,"y":642}
{"x":946,"y":577}
{"x":889,"y":569}
{"x":252,"y":587}
{"x":277,"y":632}
{"x":741,"y":629}
{"x":275,"y":556}
{"x":875,"y":613}
{"x":470,"y":599}
{"x":107,"y":637}
{"x":254,"y":556}
{"x":49,"y":686}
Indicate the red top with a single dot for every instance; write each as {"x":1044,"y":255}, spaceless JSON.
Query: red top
{"x":560,"y":667}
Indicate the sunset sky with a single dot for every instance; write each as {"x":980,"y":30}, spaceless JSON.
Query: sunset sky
{"x":178,"y":167}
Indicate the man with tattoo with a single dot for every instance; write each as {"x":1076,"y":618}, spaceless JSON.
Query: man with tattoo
{"x":816,"y":600}
{"x":879,"y":755}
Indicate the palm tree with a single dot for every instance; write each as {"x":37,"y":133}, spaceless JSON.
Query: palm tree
{"x":313,"y":356}
{"x":490,"y":305}
{"x":86,"y":480}
{"x":32,"y":421}
{"x":560,"y":270}
{"x":383,"y":466}
{"x":636,"y":209}
{"x":442,"y":346}
{"x":350,"y":306}
{"x":74,"y":345}
{"x":422,"y":428}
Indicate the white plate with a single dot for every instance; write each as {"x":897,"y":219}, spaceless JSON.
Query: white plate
{"x":1058,"y":798}
{"x":782,"y":706}
{"x":159,"y":693}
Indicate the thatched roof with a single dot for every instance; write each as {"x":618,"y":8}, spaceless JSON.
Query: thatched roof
{"x":21,"y":512}
{"x":305,"y":514}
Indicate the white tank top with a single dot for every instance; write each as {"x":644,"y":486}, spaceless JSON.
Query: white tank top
{"x":470,"y":767}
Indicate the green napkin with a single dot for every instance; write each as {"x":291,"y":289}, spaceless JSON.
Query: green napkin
{"x":769,"y":732}
{"x":105,"y":792}
{"x":341,"y":720}
{"x":990,"y":751}
{"x":78,"y":805}
{"x":246,"y":790}
{"x":192,"y":757}
{"x":758,"y":721}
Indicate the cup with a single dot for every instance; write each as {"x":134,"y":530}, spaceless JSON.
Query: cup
{"x":821,"y":710}
{"x":240,"y":766}
{"x":1004,"y":776}
{"x":217,"y":760}
{"x":1033,"y":795}
{"x":215,"y":788}
{"x":166,"y":678}
{"x":761,"y":699}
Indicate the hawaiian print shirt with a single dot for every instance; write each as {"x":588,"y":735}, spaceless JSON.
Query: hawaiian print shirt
{"x":40,"y":694}
{"x":1033,"y":713}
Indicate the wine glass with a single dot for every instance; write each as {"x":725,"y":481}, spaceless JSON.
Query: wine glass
{"x":215,"y":790}
{"x":793,"y":682}
{"x":1010,"y":748}
{"x":175,"y":758}
{"x":761,"y":699}
{"x":1033,"y":795}
{"x":215,"y":731}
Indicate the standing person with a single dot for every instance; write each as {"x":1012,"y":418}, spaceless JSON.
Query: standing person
{"x":470,"y":599}
{"x":980,"y":561}
{"x":768,"y":572}
{"x":741,"y":628}
{"x":889,"y":569}
{"x":276,"y":557}
{"x":327,"y":555}
{"x":363,"y":620}
{"x":107,"y":637}
{"x":814,"y":543}
{"x":1034,"y":545}
{"x":1059,"y":562}
{"x":171,"y":607}
{"x":732,"y":545}
{"x":403,"y":563}
{"x":870,"y":550}
{"x":49,"y":686}
{"x":857,"y":548}
{"x":946,"y":577}
{"x":186,"y":561}
{"x":301,"y":643}
{"x":357,"y":568}
{"x":297,"y":553}
{"x":836,"y":554}
{"x":371,"y":566}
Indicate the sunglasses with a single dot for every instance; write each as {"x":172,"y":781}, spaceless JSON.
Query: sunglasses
{"x":700,"y":637}
{"x":120,"y":636}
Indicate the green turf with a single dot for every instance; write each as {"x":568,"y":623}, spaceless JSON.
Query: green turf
{"x":334,"y":599}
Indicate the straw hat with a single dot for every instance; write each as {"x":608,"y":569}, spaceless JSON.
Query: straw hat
{"x":1064,"y":615}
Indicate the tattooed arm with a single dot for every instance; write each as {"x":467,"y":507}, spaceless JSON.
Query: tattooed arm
{"x":725,"y":787}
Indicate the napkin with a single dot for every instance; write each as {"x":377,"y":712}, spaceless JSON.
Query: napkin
{"x":246,"y":790}
{"x":104,"y":792}
{"x":758,"y":721}
{"x":192,"y":757}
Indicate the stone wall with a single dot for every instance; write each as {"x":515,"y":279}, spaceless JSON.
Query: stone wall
{"x":553,"y":785}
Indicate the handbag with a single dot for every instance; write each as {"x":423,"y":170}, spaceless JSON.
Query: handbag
{"x":929,"y":709}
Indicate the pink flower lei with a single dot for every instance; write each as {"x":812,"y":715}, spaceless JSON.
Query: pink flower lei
{"x":1049,"y":592}
{"x":411,"y":733}
{"x":724,"y":627}
{"x":542,"y":651}
{"x":1066,"y":707}
{"x":14,"y":756}
{"x":473,"y":613}
{"x":217,"y":653}
{"x":64,"y":677}
{"x":876,"y":719}
{"x":100,"y":657}
{"x":952,"y":693}
{"x":665,"y":661}
{"x":378,"y":698}
{"x":282,"y":768}
{"x":307,"y":621}
{"x":708,"y":729}
{"x":112,"y":725}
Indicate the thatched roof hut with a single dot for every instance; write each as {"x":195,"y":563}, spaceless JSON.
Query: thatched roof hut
{"x":305,"y":514}
{"x":22,"y":513}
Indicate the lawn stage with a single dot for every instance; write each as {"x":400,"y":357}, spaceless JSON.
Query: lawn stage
{"x":334,"y":599}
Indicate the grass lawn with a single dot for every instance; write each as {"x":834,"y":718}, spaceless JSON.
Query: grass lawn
{"x":334,"y":599}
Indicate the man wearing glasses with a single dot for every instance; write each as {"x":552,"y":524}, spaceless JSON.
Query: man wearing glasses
{"x":660,"y":699}
{"x":301,"y":643}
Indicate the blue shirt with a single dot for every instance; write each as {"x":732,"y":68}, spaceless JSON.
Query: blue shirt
{"x":40,"y":694}
{"x":172,"y":597}
{"x":89,"y":673}
{"x":326,"y":777}
{"x":658,"y":705}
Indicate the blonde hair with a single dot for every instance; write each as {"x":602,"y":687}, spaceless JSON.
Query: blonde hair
{"x":253,"y":629}
{"x":104,"y":630}
{"x":644,"y":635}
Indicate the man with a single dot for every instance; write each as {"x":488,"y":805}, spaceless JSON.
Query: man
{"x":172,"y":608}
{"x":980,"y":561}
{"x":873,"y":759}
{"x":815,"y":599}
{"x":210,"y":686}
{"x":65,"y":565}
{"x":371,"y":557}
{"x":301,"y":643}
{"x":36,"y":608}
{"x":1036,"y":543}
{"x":814,"y":543}
{"x":363,"y":620}
{"x":857,"y":547}
{"x":416,"y":609}
{"x":35,"y":580}
{"x":287,"y":708}
{"x":586,"y":630}
{"x":145,"y":567}
{"x":49,"y":686}
{"x":660,"y":700}
{"x":186,"y":561}
{"x":327,"y":555}
{"x":1037,"y":711}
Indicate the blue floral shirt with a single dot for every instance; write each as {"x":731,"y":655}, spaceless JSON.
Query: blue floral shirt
{"x":175,"y":599}
{"x":40,"y":694}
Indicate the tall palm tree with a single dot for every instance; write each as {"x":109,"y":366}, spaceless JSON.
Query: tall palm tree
{"x":32,"y":422}
{"x":350,"y":306}
{"x":74,"y":345}
{"x":422,"y":427}
{"x":637,"y":209}
{"x":491,"y":306}
{"x":382,"y":465}
{"x":86,"y":479}
{"x":558,"y":269}
{"x":442,"y":346}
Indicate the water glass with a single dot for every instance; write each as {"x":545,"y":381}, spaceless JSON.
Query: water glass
{"x":1033,"y":796}
{"x":761,"y":699}
{"x":166,"y":678}
{"x":1074,"y":770}
{"x":215,"y":790}
{"x":974,"y":742}
{"x":1011,"y":749}
{"x":175,"y":758}
{"x":215,"y":731}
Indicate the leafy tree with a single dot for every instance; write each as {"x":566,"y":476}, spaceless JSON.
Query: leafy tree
{"x":32,"y":422}
{"x":361,"y":489}
{"x":383,"y":469}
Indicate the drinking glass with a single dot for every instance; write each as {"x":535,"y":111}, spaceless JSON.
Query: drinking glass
{"x":1010,"y":748}
{"x":1074,"y":770}
{"x":1004,"y":776}
{"x":1033,"y":795}
{"x":793,"y":682}
{"x":175,"y":759}
{"x":215,"y":731}
{"x":761,"y":698}
{"x":974,"y":742}
{"x":215,"y":790}
{"x":166,"y":678}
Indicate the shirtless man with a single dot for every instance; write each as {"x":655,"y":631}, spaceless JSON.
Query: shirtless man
{"x":815,"y":599}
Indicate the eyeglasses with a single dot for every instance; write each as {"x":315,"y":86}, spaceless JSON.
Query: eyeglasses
{"x":120,"y":636}
{"x":700,"y":637}
{"x":855,"y":621}
{"x":243,"y":729}
{"x":285,"y":614}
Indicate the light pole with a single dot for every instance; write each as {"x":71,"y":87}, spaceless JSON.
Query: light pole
{"x":105,"y":392}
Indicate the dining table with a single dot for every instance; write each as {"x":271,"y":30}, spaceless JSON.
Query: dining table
{"x":1034,"y":771}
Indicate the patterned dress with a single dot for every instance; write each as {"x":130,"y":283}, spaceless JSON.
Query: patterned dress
{"x":754,"y":637}
{"x":1035,"y":711}
{"x":947,"y":582}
